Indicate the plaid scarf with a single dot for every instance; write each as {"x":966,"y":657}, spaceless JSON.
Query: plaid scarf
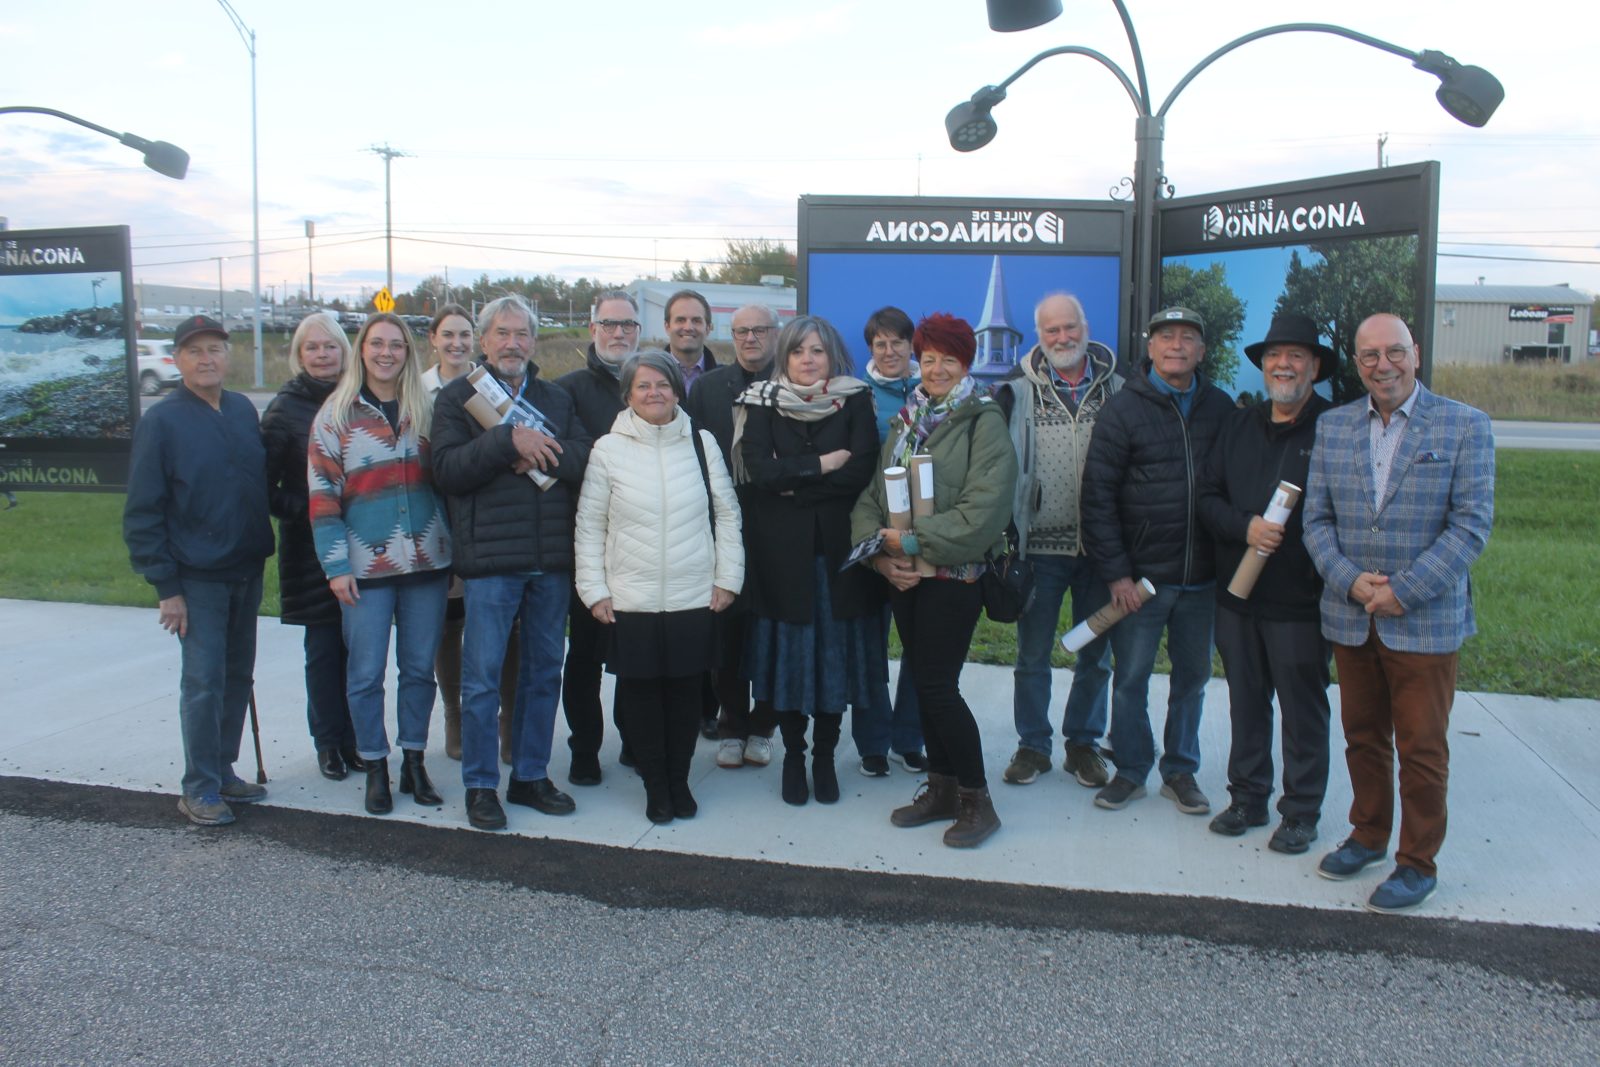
{"x":803,"y":403}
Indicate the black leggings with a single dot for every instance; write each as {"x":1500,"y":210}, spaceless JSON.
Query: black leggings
{"x":936,"y":618}
{"x":661,"y":720}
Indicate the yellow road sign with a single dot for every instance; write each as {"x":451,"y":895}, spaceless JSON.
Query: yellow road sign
{"x":383,"y":301}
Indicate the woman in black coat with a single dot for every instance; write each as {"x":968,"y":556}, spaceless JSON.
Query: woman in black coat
{"x":318,"y":351}
{"x":806,"y":444}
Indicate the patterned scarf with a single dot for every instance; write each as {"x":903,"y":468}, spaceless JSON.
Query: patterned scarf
{"x":803,"y":403}
{"x":922,"y":415}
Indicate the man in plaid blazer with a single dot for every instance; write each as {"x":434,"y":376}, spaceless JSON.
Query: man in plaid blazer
{"x":1398,"y":504}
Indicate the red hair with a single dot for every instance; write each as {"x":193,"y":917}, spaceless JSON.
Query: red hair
{"x":946,"y":335}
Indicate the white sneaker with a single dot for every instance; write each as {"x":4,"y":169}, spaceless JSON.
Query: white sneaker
{"x":758,"y":751}
{"x":730,"y":753}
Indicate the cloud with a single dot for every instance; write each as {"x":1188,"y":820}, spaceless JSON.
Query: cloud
{"x":783,"y":30}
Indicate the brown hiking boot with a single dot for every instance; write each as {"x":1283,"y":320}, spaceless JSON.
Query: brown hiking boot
{"x":935,"y":802}
{"x":975,"y":822}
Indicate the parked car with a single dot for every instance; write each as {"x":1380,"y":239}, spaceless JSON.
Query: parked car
{"x":549,"y":323}
{"x":157,"y":369}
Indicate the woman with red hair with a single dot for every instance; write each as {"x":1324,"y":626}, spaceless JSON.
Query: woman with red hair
{"x":953,"y":421}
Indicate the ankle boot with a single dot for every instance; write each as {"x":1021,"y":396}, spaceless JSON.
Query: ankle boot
{"x":975,"y":822}
{"x":414,"y":779}
{"x":379,"y":802}
{"x":935,"y":801}
{"x":657,"y":800}
{"x":683,"y":802}
{"x":824,"y":776}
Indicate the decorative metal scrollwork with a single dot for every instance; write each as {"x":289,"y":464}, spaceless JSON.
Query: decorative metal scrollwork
{"x":1123,"y":190}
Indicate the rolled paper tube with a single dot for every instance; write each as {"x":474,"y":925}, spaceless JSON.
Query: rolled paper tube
{"x":1103,"y":620}
{"x":487,"y":417}
{"x":1249,"y":569}
{"x":897,"y":492}
{"x":922,"y":503}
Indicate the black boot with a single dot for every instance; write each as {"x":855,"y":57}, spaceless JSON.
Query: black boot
{"x":824,"y":777}
{"x":352,"y":758}
{"x":657,"y":800}
{"x":331,"y":764}
{"x":793,"y":726}
{"x":414,"y":779}
{"x":379,"y":802}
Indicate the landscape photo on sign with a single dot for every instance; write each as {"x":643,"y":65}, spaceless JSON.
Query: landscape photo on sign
{"x":63,"y":357}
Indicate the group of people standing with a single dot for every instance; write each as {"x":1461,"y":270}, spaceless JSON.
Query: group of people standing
{"x":721,"y":539}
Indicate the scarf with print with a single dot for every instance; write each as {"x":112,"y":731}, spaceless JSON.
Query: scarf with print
{"x":803,"y":403}
{"x":922,"y":415}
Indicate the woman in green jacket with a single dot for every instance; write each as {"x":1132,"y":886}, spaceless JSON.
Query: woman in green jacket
{"x":952,"y":420}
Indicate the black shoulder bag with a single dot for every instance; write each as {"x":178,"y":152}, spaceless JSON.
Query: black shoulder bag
{"x":1007,"y":582}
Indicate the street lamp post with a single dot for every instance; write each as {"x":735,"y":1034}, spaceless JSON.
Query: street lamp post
{"x":311,"y":274}
{"x":159,"y":156}
{"x":248,"y":36}
{"x":1469,"y":94}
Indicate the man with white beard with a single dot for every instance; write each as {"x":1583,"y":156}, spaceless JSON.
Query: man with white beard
{"x":1272,"y":642}
{"x":1051,"y":402}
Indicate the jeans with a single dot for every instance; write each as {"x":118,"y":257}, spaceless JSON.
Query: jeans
{"x":539,"y":600}
{"x":1085,"y":721}
{"x":327,"y":707}
{"x":219,"y":660}
{"x":881,"y":725}
{"x":1187,"y":616}
{"x":415,"y":606}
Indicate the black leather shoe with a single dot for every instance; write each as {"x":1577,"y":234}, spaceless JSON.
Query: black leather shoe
{"x":708,"y":728}
{"x":379,"y":802}
{"x":540,"y":794}
{"x":585,"y":770}
{"x":332,"y":765}
{"x":352,"y":758}
{"x":683,"y":802}
{"x":484,"y":811}
{"x":414,"y":780}
{"x":626,"y":756}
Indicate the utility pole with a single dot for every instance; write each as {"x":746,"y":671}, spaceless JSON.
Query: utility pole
{"x":389,"y":155}
{"x":1383,"y":139}
{"x":311,"y":274}
{"x":222,"y":308}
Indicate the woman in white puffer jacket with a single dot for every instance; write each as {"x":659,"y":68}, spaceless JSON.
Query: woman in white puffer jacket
{"x":658,"y":554}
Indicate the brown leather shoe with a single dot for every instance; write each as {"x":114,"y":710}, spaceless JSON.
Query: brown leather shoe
{"x":934,"y":802}
{"x":976,"y":821}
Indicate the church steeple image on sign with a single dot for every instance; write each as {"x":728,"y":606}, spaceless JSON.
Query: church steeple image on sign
{"x":999,"y":342}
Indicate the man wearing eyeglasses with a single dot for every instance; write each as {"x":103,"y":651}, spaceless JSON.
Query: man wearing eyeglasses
{"x":596,"y":393}
{"x":743,"y":733}
{"x":1399,"y":501}
{"x":688,"y":320}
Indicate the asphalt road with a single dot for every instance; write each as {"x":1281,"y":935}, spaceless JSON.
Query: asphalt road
{"x":293,"y":937}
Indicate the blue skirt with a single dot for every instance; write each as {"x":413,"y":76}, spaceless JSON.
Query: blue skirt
{"x":820,"y":666}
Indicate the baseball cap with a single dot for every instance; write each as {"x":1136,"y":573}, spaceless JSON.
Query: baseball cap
{"x":1179,"y":315}
{"x":194,"y":326}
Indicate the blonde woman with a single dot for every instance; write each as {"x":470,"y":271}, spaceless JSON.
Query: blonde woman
{"x":382,"y":538}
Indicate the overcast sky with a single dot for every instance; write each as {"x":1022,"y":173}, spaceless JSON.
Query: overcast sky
{"x":619,"y":138}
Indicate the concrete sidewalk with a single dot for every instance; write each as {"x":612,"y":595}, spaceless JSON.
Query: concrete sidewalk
{"x":89,"y":694}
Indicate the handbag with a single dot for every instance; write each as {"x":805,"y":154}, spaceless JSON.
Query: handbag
{"x":1007,"y":584}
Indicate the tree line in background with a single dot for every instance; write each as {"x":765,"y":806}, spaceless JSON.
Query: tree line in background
{"x":742,"y":263}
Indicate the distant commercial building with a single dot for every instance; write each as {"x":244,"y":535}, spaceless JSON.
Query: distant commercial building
{"x":1493,"y":324}
{"x":651,"y":297}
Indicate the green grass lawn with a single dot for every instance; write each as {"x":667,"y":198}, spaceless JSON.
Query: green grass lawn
{"x":1536,"y":586}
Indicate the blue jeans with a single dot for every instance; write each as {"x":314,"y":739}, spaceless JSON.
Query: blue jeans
{"x":1187,"y":615}
{"x":219,"y":661}
{"x":540,"y":601}
{"x":415,"y":605}
{"x":1053,"y":578}
{"x":880,"y":725}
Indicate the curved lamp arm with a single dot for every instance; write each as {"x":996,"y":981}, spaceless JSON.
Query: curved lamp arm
{"x":1077,"y":50}
{"x":159,"y":156}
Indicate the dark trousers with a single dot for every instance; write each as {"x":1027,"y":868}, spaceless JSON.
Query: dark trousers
{"x":1397,"y":702}
{"x":661,"y":720}
{"x":1262,"y":657}
{"x":327,"y":710}
{"x":738,"y":719}
{"x":936,"y":618}
{"x":580,"y":682}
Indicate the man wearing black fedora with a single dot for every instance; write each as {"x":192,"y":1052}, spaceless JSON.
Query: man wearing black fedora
{"x":1271,"y":641}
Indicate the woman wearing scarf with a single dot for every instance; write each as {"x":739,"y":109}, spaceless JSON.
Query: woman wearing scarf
{"x":805,"y":443}
{"x":974,"y":472}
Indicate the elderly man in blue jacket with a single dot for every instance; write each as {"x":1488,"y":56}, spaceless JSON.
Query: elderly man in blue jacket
{"x":1398,"y":504}
{"x":195,"y":522}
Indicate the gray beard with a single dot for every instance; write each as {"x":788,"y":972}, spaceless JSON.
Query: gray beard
{"x":1074,"y":361}
{"x":1287,"y":395}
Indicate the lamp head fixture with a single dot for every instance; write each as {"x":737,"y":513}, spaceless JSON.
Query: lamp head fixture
{"x":1469,"y":94}
{"x":969,"y":124}
{"x":1007,"y":16}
